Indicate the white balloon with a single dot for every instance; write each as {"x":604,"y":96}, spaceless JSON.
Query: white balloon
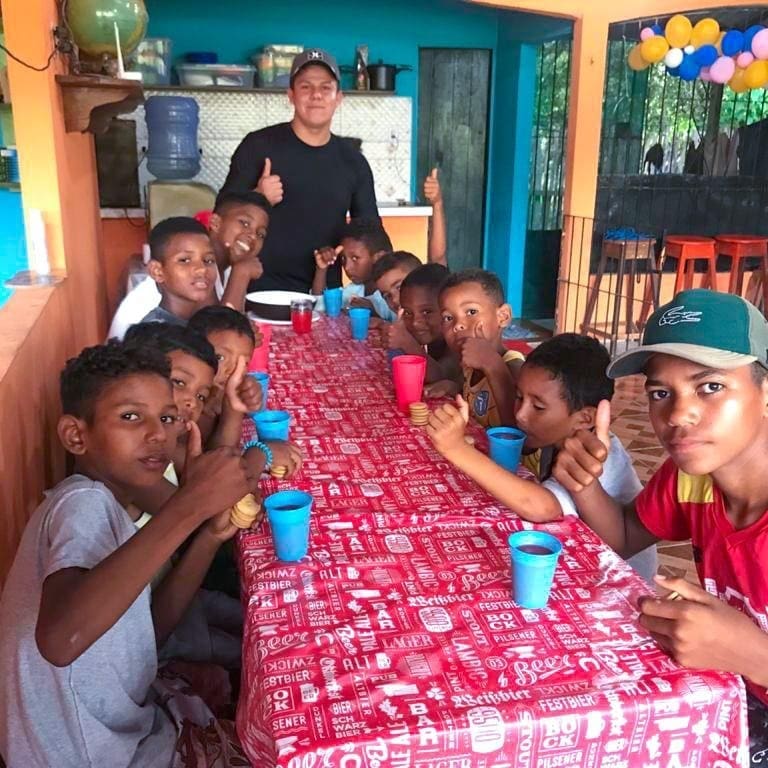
{"x":674,"y":58}
{"x":689,"y":49}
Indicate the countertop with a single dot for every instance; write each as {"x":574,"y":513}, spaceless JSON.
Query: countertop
{"x":386,"y":210}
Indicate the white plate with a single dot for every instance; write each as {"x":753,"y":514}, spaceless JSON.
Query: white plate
{"x":253,"y":316}
{"x":279,"y":298}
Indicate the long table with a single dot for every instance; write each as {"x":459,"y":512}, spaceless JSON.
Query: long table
{"x":395,"y":642}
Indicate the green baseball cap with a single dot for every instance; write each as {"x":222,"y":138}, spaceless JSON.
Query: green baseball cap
{"x":719,"y":330}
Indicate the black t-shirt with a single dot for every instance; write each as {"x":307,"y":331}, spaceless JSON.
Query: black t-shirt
{"x":320,"y":184}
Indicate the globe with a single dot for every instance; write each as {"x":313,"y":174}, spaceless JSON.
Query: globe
{"x":92,"y":23}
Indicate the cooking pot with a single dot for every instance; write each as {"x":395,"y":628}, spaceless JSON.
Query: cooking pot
{"x":382,"y":76}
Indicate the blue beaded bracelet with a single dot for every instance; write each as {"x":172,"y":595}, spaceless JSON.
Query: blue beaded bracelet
{"x":263,"y":447}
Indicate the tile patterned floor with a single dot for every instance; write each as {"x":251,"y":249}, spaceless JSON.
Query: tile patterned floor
{"x":631,"y":425}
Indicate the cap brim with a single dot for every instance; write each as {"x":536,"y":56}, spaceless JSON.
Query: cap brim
{"x":635,"y":360}
{"x":315,"y":64}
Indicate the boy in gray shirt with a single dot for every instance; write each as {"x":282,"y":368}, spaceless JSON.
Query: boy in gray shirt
{"x":78,"y":657}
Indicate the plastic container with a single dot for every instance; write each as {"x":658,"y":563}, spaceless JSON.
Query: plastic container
{"x":534,"y":557}
{"x":263,"y":379}
{"x":172,"y":151}
{"x":359,"y":318}
{"x":288,"y":513}
{"x":408,"y":373}
{"x":153,"y":58}
{"x":274,"y":64}
{"x":332,"y":299}
{"x":272,"y":425}
{"x":505,"y":444}
{"x":201,"y":57}
{"x":218,"y":75}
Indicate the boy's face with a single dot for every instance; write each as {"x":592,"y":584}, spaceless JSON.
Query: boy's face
{"x":229,"y":346}
{"x":421,"y":314}
{"x":468,"y":311}
{"x":542,"y":412}
{"x":192,"y":380}
{"x":128,"y":440}
{"x":706,"y":419}
{"x":389,"y":285}
{"x":241,"y":229}
{"x":188,"y":269}
{"x":358,"y":260}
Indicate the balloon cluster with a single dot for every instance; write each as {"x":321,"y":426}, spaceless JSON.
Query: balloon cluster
{"x":704,"y":51}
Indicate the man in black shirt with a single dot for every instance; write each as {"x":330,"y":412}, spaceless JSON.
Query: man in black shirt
{"x":311,"y":177}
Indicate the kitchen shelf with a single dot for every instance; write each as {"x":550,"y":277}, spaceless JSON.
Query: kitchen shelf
{"x":90,"y":102}
{"x":10,"y":185}
{"x":219,"y":89}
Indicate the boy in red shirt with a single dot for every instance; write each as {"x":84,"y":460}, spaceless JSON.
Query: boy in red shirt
{"x":705,"y":356}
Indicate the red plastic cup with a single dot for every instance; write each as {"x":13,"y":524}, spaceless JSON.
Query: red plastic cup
{"x":260,"y":358}
{"x":301,"y":316}
{"x":408,"y":373}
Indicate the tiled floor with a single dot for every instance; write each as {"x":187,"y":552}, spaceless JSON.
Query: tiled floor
{"x":631,"y":425}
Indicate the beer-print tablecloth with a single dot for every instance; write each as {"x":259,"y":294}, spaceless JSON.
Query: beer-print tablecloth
{"x":396,"y":643}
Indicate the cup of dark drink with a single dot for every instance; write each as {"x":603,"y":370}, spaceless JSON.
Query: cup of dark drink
{"x":288,"y":513}
{"x":301,"y":315}
{"x":505,"y":444}
{"x":534,"y":557}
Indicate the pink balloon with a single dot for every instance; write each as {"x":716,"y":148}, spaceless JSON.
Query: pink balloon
{"x":647,"y":32}
{"x":743,"y":60}
{"x":722,"y":70}
{"x":705,"y":75}
{"x":760,"y":44}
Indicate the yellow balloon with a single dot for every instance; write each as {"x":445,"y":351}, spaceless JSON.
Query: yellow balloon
{"x":706,"y":32}
{"x":635,"y":59}
{"x":678,"y":31}
{"x":719,"y":43}
{"x":737,"y":83}
{"x":756,"y":74}
{"x":654,"y":49}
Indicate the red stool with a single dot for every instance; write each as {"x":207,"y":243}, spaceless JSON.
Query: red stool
{"x":688,"y":249}
{"x":740,"y":247}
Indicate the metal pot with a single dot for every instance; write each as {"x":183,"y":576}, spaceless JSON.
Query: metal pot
{"x":382,"y":76}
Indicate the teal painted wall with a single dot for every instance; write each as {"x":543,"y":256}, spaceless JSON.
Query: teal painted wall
{"x":394,"y":30}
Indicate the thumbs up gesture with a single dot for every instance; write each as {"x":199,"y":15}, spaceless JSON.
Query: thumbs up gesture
{"x":396,"y":336}
{"x":243,"y":392}
{"x":477,"y":352}
{"x":432,"y":191}
{"x":270,"y":184}
{"x":580,"y":461}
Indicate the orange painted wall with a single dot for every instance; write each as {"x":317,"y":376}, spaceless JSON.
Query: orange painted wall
{"x":41,"y":328}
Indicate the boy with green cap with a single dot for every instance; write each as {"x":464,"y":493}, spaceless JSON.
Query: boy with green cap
{"x":705,"y":358}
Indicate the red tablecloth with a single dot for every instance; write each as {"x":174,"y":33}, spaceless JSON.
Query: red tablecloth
{"x":396,"y":642}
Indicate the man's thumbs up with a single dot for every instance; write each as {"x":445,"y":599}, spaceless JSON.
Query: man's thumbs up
{"x":270,"y":184}
{"x":433,"y":174}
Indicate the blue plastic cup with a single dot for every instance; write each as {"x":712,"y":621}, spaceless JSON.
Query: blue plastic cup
{"x":272,"y":425}
{"x":263,"y":379}
{"x":332,"y":299}
{"x":505,"y":445}
{"x":534,"y":559}
{"x":360,"y":317}
{"x":288,"y":514}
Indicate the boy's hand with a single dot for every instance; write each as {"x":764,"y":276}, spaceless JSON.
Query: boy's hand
{"x":243,"y":392}
{"x":477,"y":352}
{"x":395,"y":335}
{"x":446,"y":427}
{"x":326,"y":257}
{"x":252,"y":267}
{"x":580,"y":461}
{"x":432,"y":191}
{"x":359,"y":301}
{"x":270,"y":185}
{"x":702,"y":631}
{"x":286,"y":455}
{"x":215,"y":480}
{"x":442,"y":388}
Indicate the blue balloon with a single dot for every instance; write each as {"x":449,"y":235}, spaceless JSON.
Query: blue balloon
{"x":705,"y":56}
{"x":657,"y":29}
{"x":674,"y":71}
{"x":733,"y":42}
{"x":689,"y":69}
{"x":749,"y":34}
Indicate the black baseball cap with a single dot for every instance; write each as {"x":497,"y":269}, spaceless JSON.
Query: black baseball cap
{"x":315,"y":56}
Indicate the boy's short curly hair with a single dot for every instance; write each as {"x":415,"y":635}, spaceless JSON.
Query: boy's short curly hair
{"x":369,"y":232}
{"x":579,"y":363}
{"x":488,"y":281}
{"x":163,"y":231}
{"x":426,"y":276}
{"x":85,"y":377}
{"x":220,"y":318}
{"x":393,"y":260}
{"x":249,"y":197}
{"x":167,"y":338}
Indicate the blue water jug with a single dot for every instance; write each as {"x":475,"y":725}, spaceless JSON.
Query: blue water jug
{"x":172,"y":151}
